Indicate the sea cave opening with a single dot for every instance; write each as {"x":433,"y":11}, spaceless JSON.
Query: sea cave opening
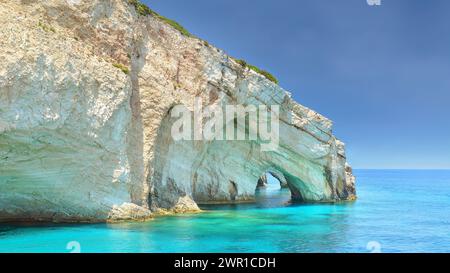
{"x":272,"y":190}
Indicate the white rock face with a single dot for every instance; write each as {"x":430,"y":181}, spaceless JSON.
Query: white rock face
{"x":80,"y":140}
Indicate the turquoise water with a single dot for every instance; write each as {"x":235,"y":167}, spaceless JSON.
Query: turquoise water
{"x":397,"y":211}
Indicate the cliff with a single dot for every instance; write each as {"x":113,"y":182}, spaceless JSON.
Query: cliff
{"x":86,"y":94}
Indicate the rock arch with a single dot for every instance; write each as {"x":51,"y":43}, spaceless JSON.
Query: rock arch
{"x":262,"y":181}
{"x":187,"y":172}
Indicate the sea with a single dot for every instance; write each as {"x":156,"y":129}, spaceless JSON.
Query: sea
{"x":396,"y":211}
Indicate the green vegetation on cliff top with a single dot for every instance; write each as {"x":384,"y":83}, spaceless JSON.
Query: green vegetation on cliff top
{"x":257,"y":70}
{"x":144,"y":10}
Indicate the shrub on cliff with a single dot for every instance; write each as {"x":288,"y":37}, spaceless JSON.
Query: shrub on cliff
{"x":265,"y":73}
{"x":175,"y":25}
{"x":143,"y":10}
{"x":122,"y":67}
{"x":46,"y":28}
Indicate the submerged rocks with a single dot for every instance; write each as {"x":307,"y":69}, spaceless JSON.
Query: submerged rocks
{"x":87,"y":90}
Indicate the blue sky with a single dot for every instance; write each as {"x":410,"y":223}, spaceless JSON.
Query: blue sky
{"x":382,"y":74}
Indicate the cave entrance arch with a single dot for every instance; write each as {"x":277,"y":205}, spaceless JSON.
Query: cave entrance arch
{"x":185,"y":173}
{"x":272,"y":190}
{"x":271,"y":181}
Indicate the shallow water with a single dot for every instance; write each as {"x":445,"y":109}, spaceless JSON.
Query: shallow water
{"x":397,"y":211}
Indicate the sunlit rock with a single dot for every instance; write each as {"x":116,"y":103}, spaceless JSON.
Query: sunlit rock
{"x":86,"y":94}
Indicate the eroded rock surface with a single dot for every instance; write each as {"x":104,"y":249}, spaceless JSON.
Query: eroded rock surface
{"x":86,"y":92}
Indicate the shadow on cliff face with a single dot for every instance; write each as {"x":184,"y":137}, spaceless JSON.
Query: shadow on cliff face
{"x":270,"y":192}
{"x":135,"y":149}
{"x":171,"y":176}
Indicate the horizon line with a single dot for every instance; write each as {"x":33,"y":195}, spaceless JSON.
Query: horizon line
{"x":404,"y":169}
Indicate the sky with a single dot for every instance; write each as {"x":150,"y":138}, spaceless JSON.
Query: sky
{"x":381,"y":73}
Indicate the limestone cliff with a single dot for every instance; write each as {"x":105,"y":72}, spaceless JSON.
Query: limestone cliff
{"x":86,"y":90}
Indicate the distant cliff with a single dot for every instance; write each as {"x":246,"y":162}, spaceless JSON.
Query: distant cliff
{"x":86,"y":93}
